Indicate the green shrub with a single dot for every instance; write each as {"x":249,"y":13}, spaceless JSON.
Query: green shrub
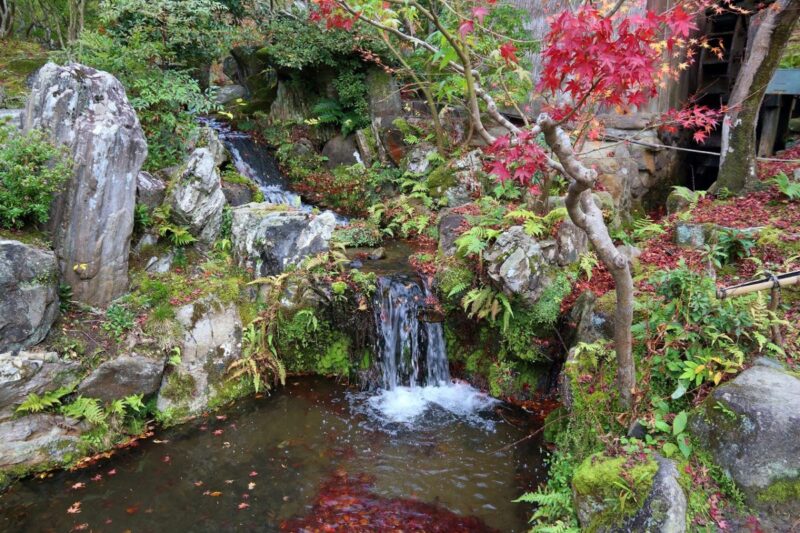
{"x":156,"y":49}
{"x":119,"y":320}
{"x":32,"y":171}
{"x":358,"y":233}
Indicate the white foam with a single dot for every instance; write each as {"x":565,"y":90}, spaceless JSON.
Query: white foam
{"x":405,"y":404}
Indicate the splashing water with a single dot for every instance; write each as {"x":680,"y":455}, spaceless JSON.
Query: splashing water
{"x":413,"y":361}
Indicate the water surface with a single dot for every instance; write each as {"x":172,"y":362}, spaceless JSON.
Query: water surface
{"x":311,"y":451}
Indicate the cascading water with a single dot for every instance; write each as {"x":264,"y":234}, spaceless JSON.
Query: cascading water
{"x":412,"y":358}
{"x":252,"y":161}
{"x":411,"y":352}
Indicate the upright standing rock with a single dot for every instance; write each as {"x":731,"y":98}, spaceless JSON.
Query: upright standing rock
{"x":197,"y":199}
{"x":92,"y":219}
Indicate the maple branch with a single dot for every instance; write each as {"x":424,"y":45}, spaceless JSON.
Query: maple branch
{"x":585,"y":214}
{"x":470,"y":75}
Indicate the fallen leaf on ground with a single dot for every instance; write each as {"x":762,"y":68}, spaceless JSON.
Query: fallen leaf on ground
{"x":75,"y":508}
{"x":77,"y":486}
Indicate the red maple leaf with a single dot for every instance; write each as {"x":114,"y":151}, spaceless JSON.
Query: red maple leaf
{"x":681,"y":22}
{"x":507,"y":52}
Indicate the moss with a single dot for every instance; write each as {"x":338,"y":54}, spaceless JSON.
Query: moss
{"x":18,"y":60}
{"x":229,"y":391}
{"x":607,"y":303}
{"x":782,"y":491}
{"x":179,"y":387}
{"x":172,"y":416}
{"x":615,"y":488}
{"x":31,"y":237}
{"x":440,"y":180}
{"x":336,"y":359}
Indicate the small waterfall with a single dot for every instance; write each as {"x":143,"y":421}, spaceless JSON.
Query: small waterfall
{"x":411,"y":352}
{"x":255,"y":162}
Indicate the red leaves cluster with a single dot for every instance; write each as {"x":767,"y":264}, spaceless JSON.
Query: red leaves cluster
{"x":768,"y":169}
{"x":615,"y":60}
{"x":334,"y":16}
{"x":346,"y":503}
{"x":701,"y":119}
{"x":523,"y":161}
{"x":746,"y":212}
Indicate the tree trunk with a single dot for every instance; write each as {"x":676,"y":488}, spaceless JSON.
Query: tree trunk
{"x":737,"y":170}
{"x":585,"y":214}
{"x":6,"y":18}
{"x":77,"y":8}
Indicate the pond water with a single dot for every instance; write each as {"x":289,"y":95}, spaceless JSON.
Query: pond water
{"x":312,"y":453}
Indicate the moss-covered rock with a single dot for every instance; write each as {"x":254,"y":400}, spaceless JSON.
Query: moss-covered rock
{"x":629,"y":494}
{"x":212,"y":339}
{"x":756,"y":438}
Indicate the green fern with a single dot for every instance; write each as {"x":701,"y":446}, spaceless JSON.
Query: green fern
{"x":475,"y":240}
{"x":458,"y":288}
{"x":586,"y":262}
{"x":179,"y":235}
{"x":328,"y":111}
{"x":553,"y":511}
{"x":789,"y":188}
{"x":645,"y":229}
{"x":88,"y":409}
{"x":485,"y":303}
{"x":36,"y":404}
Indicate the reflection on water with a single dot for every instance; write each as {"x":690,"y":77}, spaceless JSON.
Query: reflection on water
{"x":277,"y":460}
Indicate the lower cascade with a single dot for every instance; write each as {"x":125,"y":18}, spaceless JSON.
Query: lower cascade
{"x":412,"y":357}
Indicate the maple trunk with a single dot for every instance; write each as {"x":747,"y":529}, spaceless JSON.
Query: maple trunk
{"x":585,"y":214}
{"x":6,"y":18}
{"x":737,"y":170}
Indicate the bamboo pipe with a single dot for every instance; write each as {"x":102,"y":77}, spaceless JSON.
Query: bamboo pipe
{"x":783,"y":280}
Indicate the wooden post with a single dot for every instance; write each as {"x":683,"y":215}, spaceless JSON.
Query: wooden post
{"x":775,"y":283}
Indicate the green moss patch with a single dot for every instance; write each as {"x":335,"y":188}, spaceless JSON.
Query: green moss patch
{"x":614,"y":488}
{"x":783,"y":491}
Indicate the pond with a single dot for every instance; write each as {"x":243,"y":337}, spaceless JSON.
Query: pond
{"x":314,"y":452}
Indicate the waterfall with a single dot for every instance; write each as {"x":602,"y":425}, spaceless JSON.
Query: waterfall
{"x":411,"y":352}
{"x":256,"y":163}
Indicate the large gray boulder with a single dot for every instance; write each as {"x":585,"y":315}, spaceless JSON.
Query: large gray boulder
{"x":28,"y":294}
{"x":39,"y":440}
{"x":92,"y":219}
{"x":517,"y":263}
{"x":751,"y":426}
{"x":197,"y":199}
{"x":229,"y":93}
{"x":150,"y":190}
{"x":32,"y":373}
{"x":123,"y":376}
{"x":267,"y":241}
{"x":212,"y":339}
{"x":341,"y":151}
